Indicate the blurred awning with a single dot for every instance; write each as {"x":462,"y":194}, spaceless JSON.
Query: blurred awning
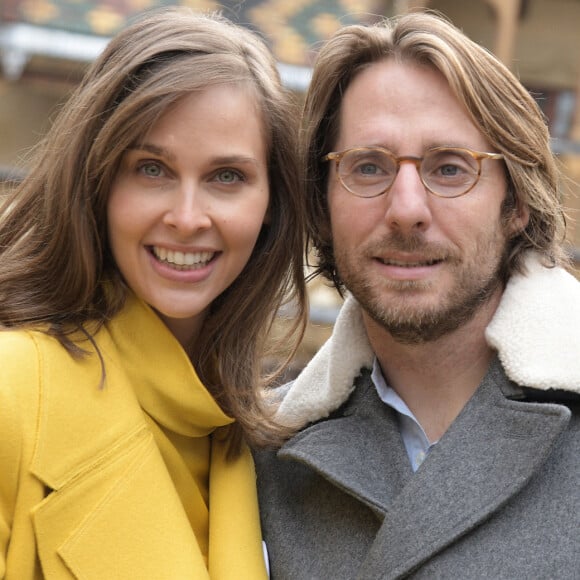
{"x":77,"y":30}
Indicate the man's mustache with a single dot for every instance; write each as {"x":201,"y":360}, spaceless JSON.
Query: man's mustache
{"x":412,"y":243}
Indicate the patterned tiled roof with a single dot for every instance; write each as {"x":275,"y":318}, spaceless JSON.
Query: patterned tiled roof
{"x":293,"y":27}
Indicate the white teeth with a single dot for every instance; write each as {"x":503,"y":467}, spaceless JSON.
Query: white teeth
{"x":183,"y":259}
{"x":177,"y":258}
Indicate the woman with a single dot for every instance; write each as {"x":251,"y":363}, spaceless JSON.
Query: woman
{"x":142,"y":264}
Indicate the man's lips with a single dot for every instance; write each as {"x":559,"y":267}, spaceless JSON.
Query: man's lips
{"x":410,"y":263}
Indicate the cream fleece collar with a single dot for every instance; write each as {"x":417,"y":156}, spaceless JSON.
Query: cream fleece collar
{"x":536,"y":331}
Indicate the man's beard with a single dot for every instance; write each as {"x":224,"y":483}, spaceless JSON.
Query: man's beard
{"x":473,"y":286}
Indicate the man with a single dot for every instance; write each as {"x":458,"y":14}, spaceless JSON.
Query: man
{"x":439,"y":434}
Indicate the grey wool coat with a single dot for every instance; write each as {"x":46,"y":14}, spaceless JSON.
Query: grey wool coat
{"x":499,"y":495}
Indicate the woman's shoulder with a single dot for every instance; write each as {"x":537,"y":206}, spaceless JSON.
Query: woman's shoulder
{"x":21,"y":356}
{"x":19,"y":351}
{"x":21,"y":347}
{"x":20,"y":385}
{"x":32,"y":360}
{"x":37,"y":379}
{"x":29,"y":361}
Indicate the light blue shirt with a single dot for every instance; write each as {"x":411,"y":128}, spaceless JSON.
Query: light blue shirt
{"x":413,"y":435}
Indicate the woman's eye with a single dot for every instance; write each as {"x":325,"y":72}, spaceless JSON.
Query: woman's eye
{"x":151,"y":169}
{"x":229,"y":176}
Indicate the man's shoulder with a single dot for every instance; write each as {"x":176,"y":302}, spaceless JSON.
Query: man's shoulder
{"x":536,"y":329}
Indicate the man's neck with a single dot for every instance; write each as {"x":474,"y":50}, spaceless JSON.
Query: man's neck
{"x":437,"y":378}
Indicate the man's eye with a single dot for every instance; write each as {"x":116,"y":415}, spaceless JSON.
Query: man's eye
{"x":370,"y":168}
{"x":367,"y":169}
{"x":449,"y":170}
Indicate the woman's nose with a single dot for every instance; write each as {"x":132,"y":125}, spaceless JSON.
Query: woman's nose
{"x":188,"y":209}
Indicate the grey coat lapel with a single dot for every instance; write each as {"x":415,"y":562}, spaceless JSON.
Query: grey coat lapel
{"x":490,"y":452}
{"x":348,"y":452}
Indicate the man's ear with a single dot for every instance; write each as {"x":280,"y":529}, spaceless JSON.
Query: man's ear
{"x":518,"y":220}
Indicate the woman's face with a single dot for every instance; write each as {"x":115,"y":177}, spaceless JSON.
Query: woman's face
{"x":188,"y":204}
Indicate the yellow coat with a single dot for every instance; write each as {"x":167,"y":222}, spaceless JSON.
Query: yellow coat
{"x":84,"y":491}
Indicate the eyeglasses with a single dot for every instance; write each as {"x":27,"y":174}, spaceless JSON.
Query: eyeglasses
{"x":444,"y":171}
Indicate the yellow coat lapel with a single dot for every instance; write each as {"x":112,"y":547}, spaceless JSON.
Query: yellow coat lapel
{"x":98,"y":525}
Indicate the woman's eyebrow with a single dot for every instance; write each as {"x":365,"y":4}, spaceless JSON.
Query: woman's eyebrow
{"x":233,"y":159}
{"x":154,"y":149}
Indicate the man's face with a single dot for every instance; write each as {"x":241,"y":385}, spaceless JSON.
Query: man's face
{"x":419,"y":265}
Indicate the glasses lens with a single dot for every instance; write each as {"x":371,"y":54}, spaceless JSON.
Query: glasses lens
{"x":367,"y":172}
{"x":449,"y":172}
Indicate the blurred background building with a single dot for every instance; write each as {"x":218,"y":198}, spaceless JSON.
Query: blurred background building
{"x":45,"y":46}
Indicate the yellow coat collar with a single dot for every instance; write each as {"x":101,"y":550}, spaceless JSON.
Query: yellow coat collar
{"x":139,"y":354}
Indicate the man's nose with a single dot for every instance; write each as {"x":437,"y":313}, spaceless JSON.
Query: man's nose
{"x":408,"y":201}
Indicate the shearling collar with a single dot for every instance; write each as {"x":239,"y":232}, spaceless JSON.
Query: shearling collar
{"x":536,"y":331}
